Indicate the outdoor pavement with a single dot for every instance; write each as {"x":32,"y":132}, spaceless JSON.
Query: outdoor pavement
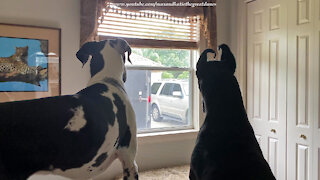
{"x":166,"y":122}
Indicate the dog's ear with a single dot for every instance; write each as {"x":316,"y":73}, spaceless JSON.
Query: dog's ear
{"x":203,"y":57}
{"x":227,"y":57}
{"x":122,"y":46}
{"x":205,"y":52}
{"x":89,"y":48}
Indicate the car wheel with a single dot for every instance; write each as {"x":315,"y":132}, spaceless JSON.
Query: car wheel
{"x":156,"y":113}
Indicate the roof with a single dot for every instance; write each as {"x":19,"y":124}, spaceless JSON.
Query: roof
{"x":138,"y":60}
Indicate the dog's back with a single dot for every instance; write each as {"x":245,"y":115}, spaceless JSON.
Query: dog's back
{"x":40,"y":134}
{"x":226,"y":148}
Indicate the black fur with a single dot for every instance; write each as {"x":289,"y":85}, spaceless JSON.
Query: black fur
{"x":227,"y":58}
{"x":226,"y":147}
{"x":93,"y":49}
{"x":33,"y":135}
{"x":100,"y":159}
{"x":124,"y":130}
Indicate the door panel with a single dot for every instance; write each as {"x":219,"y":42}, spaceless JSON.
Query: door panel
{"x":266,"y":82}
{"x":273,"y":81}
{"x":302,"y":162}
{"x":257,"y":56}
{"x":316,"y":107}
{"x":273,"y":155}
{"x":300,"y":109}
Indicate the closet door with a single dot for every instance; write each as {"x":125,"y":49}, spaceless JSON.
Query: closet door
{"x":316,"y":129}
{"x":266,"y":79}
{"x":301,"y":92}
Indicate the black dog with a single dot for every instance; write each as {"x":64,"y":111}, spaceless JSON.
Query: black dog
{"x":226,"y":148}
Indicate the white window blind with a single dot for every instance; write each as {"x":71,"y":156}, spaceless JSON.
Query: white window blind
{"x":153,"y":25}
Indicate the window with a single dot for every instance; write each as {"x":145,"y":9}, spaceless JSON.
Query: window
{"x":166,"y":90}
{"x":176,"y":87}
{"x":155,"y":87}
{"x":161,"y":74}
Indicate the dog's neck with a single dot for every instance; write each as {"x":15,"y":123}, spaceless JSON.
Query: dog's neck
{"x":113,"y":67}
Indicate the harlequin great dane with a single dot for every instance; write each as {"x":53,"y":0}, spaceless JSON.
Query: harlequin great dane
{"x":226,"y":147}
{"x":76,"y":136}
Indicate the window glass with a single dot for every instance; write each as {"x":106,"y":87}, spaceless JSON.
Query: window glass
{"x":161,"y":57}
{"x":177,"y":87}
{"x":155,"y":87}
{"x":166,"y":90}
{"x":158,"y":82}
{"x":153,"y":110}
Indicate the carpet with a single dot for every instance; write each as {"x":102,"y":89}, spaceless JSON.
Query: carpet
{"x":171,"y":173}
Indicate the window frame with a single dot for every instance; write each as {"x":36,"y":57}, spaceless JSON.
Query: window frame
{"x":194,"y":94}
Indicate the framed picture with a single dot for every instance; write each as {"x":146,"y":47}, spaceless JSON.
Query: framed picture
{"x":29,"y":62}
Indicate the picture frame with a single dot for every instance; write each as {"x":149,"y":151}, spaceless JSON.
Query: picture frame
{"x":30,"y":62}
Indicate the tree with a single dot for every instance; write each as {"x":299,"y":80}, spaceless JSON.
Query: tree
{"x":168,"y":58}
{"x":184,"y":75}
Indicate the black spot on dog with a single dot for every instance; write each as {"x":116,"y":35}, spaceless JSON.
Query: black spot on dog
{"x":226,"y":147}
{"x":124,"y":130}
{"x":136,"y":176}
{"x":90,"y":169}
{"x":100,"y":159}
{"x":126,"y":172}
{"x":112,"y":43}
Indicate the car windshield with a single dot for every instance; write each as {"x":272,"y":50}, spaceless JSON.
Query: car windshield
{"x":186,"y":88}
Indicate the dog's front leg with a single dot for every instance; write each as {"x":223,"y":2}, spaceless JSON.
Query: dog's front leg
{"x":129,"y":165}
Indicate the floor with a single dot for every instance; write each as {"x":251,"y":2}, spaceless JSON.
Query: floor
{"x":172,"y":173}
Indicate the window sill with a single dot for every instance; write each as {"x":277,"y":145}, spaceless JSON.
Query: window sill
{"x":156,"y":137}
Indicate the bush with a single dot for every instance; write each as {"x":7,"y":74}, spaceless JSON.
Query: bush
{"x":184,"y":75}
{"x":167,"y":75}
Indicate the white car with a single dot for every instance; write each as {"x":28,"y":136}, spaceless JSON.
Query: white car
{"x":170,"y":98}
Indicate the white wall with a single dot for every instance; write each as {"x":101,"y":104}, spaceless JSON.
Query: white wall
{"x":154,"y":152}
{"x":223,"y":22}
{"x":231,"y":31}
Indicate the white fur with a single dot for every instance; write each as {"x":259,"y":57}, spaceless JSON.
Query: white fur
{"x":78,"y":121}
{"x":113,"y":66}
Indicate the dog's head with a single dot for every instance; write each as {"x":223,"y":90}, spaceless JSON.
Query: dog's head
{"x":216,"y":79}
{"x":108,"y":55}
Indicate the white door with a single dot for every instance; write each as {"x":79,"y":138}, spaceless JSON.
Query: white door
{"x":301,"y":95}
{"x":266,"y":83}
{"x":316,"y":129}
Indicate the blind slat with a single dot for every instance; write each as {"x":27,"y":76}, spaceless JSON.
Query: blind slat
{"x":145,"y":23}
{"x":147,"y":31}
{"x":119,"y":34}
{"x":145,"y":19}
{"x":136,"y":27}
{"x":148,"y":25}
